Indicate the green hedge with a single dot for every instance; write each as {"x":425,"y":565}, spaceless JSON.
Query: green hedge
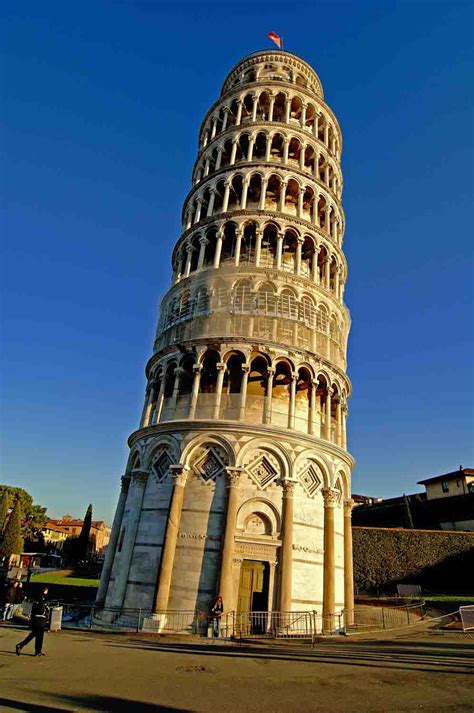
{"x":437,"y":560}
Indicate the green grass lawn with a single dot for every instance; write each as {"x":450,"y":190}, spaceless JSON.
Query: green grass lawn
{"x":466,"y":599}
{"x":64,"y":576}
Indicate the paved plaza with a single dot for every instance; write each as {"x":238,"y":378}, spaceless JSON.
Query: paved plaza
{"x":85,"y":671}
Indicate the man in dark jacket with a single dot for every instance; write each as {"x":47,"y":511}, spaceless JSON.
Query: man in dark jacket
{"x":38,"y":624}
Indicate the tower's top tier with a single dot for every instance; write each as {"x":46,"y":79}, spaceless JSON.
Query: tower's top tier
{"x":273,"y":66}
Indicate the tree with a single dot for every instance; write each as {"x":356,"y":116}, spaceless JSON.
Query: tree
{"x":12,"y":542}
{"x":4,"y":507}
{"x":34,"y":516}
{"x":82,"y":544}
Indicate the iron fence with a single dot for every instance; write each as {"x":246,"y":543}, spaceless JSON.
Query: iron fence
{"x":384,"y":617}
{"x":238,"y":625}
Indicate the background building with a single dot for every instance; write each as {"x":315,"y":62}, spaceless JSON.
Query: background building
{"x":239,"y":478}
{"x":447,"y":504}
{"x":56,"y":532}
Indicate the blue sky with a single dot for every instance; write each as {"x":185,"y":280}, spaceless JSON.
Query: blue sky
{"x":103,"y":101}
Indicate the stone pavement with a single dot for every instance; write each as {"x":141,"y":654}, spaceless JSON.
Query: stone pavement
{"x":85,"y":671}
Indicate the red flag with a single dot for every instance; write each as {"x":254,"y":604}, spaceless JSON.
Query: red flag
{"x":276,"y":38}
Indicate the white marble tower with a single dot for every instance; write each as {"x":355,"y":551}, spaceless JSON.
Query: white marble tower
{"x":239,"y":478}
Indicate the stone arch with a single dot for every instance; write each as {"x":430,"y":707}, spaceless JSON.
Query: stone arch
{"x":343,"y":475}
{"x":190,"y":453}
{"x":259,"y":506}
{"x":134,"y":459}
{"x":264,"y":462}
{"x":166,"y":441}
{"x":306,"y":457}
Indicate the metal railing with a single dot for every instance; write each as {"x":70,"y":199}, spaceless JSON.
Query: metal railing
{"x":386,"y":617}
{"x":237,"y":625}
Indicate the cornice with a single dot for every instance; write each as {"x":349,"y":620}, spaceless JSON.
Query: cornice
{"x":296,"y":438}
{"x":273,"y":55}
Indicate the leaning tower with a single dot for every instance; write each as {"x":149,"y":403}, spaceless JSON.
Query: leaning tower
{"x":239,"y":478}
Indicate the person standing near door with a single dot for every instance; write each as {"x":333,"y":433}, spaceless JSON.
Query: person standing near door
{"x":38,"y":624}
{"x":216,"y":613}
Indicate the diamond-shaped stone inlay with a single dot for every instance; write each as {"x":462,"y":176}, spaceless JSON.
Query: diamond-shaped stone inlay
{"x":161,"y":465}
{"x":310,"y":478}
{"x":262,"y":471}
{"x":209,"y":465}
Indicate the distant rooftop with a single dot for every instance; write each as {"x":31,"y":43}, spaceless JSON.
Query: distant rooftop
{"x":446,"y":476}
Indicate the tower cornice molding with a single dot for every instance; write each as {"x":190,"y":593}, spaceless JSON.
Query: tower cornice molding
{"x":295,"y":438}
{"x":272,"y":55}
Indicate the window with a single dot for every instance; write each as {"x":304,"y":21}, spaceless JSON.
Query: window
{"x":445,"y":486}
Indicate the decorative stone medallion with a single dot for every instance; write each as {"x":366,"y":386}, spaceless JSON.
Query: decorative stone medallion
{"x":310,"y":478}
{"x":210,"y":463}
{"x":161,"y":464}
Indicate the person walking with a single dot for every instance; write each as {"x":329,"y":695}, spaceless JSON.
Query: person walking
{"x":38,"y":624}
{"x":10,"y":601}
{"x":216,"y":613}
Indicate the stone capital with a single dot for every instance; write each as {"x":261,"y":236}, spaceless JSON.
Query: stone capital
{"x":288,"y":488}
{"x":179,"y":474}
{"x":245,"y":368}
{"x":330,"y":496}
{"x":221,"y":366}
{"x":197,"y":368}
{"x":232,"y":475}
{"x":140,"y":477}
{"x":349,"y":505}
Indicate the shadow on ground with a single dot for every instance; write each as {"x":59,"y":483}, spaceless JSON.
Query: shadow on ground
{"x":111,"y":704}
{"x":449,"y":658}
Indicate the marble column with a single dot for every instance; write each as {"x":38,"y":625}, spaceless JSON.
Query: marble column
{"x":243,"y":391}
{"x":286,"y":550}
{"x":203,"y":241}
{"x":339,"y":422}
{"x":299,"y":250}
{"x":279,"y":250}
{"x":217,"y":254}
{"x":344,"y":426}
{"x":197,"y":368}
{"x":267,"y":414}
{"x":238,"y":245}
{"x":123,"y":559}
{"x":226,"y":581}
{"x":179,"y":473}
{"x":329,"y":582}
{"x":313,"y":407}
{"x":112,"y":544}
{"x":292,"y":405}
{"x":327,"y":419}
{"x":348,"y":564}
{"x":221,"y":369}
